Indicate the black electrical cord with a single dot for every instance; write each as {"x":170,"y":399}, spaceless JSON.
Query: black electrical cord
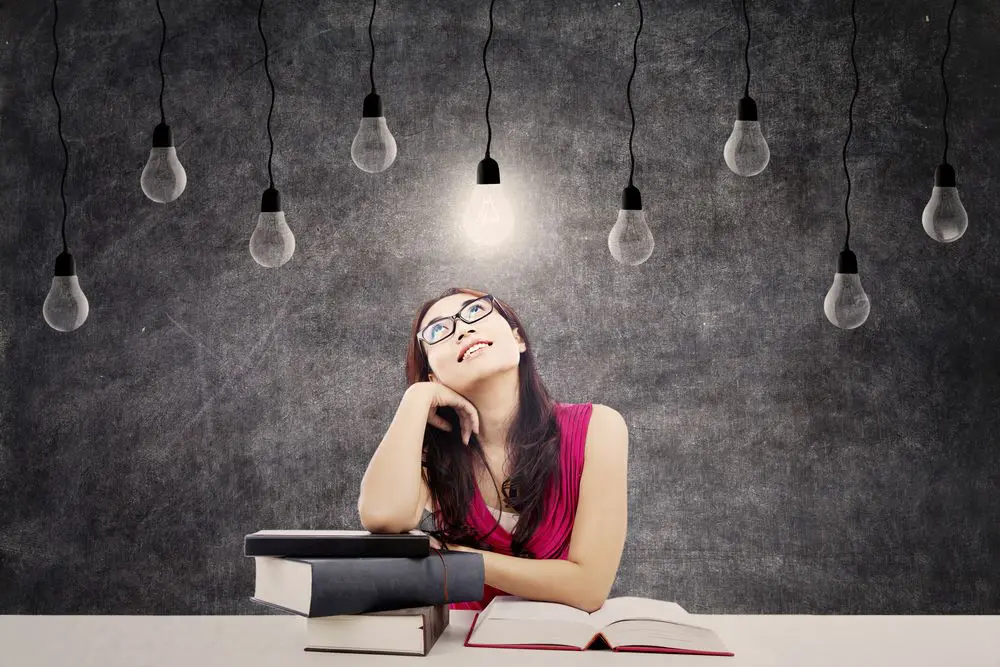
{"x":850,"y":125}
{"x":628,"y":94}
{"x":260,"y":11}
{"x":371,"y":65}
{"x":944,"y":84}
{"x":163,"y":39}
{"x":62,"y":185}
{"x":746,"y":51}
{"x":489,"y":84}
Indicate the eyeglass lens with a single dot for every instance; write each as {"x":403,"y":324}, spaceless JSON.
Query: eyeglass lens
{"x":441,"y":329}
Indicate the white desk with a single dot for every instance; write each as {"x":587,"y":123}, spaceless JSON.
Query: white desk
{"x":276,"y":641}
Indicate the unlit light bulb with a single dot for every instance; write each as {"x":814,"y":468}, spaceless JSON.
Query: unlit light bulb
{"x":66,"y":306}
{"x":630,"y":240}
{"x":163,"y":178}
{"x":488,"y":218}
{"x":944,"y":218}
{"x":374,"y":148}
{"x":272,"y":243}
{"x":746,"y":151}
{"x":846,"y":305}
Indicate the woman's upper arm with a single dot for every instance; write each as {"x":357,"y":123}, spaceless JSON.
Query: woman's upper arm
{"x":601,"y":522}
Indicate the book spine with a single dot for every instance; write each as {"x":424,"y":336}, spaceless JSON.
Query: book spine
{"x":363,"y":585}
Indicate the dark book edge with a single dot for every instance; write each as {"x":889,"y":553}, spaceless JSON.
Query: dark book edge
{"x":272,"y":605}
{"x":386,"y":545}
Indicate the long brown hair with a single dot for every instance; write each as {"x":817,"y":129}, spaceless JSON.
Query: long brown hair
{"x":533,"y":441}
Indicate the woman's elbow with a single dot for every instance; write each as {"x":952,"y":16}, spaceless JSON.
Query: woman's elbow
{"x":594,"y":596}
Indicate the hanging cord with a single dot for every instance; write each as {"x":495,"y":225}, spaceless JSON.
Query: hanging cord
{"x":260,"y":11}
{"x":62,"y":185}
{"x":489,"y":84}
{"x":371,"y":65}
{"x":944,"y":84}
{"x":850,"y":125}
{"x":628,"y":95}
{"x":746,"y":51}
{"x":163,"y":40}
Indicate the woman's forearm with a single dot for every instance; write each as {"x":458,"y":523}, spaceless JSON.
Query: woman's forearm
{"x":549,"y":580}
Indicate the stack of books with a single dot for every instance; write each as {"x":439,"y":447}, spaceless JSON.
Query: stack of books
{"x":363,"y":592}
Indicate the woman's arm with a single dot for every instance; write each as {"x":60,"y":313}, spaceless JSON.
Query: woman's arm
{"x":585,"y":579}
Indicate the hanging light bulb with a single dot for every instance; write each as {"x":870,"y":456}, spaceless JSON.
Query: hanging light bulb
{"x":374,"y":148}
{"x":630,"y":240}
{"x":163,"y":178}
{"x":272,"y":243}
{"x":944,"y":217}
{"x":66,"y":306}
{"x":846,"y":305}
{"x":488,"y":219}
{"x":746,"y":151}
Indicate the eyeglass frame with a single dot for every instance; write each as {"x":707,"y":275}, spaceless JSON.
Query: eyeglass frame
{"x":494,"y":306}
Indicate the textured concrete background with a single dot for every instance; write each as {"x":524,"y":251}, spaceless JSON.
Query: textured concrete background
{"x":778,"y":464}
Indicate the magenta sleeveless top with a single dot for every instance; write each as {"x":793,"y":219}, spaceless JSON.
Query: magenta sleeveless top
{"x":561,"y":500}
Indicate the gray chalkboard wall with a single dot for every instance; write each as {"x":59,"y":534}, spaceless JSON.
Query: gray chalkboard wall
{"x":778,"y":464}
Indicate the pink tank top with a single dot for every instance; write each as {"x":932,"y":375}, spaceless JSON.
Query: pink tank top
{"x":561,"y":500}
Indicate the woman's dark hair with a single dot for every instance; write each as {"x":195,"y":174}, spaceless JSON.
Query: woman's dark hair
{"x":533,"y":439}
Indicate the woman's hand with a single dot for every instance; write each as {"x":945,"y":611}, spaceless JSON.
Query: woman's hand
{"x":443,"y":396}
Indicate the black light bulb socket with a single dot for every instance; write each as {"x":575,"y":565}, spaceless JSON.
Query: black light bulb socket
{"x":65,"y":265}
{"x":631,"y":199}
{"x":488,"y":172}
{"x":271,"y":201}
{"x":944,"y":176}
{"x":747,"y":109}
{"x":372,"y":107}
{"x":162,"y":136}
{"x":847,"y":262}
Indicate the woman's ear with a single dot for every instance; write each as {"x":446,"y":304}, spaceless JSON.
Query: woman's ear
{"x":517,"y":337}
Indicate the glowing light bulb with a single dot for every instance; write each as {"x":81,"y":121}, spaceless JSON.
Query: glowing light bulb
{"x":272,"y":243}
{"x":488,"y":218}
{"x":944,"y":218}
{"x":66,"y":306}
{"x":630,"y":240}
{"x":746,"y":152}
{"x":846,"y":305}
{"x":163,"y":178}
{"x":374,"y":148}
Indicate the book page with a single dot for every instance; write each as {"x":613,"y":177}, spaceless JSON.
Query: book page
{"x":515,"y":607}
{"x":627,"y":608}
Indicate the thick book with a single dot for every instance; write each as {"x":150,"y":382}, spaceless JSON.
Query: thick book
{"x":396,"y":632}
{"x":337,"y":544}
{"x":621,"y":624}
{"x":333,"y":586}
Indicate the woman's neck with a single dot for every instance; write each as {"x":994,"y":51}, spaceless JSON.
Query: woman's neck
{"x":496,"y":401}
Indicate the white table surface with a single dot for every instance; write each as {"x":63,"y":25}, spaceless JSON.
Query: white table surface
{"x":277,"y":641}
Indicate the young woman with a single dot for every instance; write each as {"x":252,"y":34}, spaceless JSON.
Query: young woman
{"x":538,"y":487}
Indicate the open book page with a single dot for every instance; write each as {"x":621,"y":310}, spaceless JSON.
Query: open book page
{"x":629,"y":608}
{"x":515,"y":607}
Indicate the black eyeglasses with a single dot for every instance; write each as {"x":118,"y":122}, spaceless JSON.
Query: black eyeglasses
{"x":472,"y":310}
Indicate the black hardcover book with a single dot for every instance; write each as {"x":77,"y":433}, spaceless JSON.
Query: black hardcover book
{"x":336,"y":544}
{"x":333,"y":586}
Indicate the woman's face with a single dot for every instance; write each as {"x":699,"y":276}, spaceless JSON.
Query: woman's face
{"x":447,"y":360}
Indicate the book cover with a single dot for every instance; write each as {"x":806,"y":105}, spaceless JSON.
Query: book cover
{"x":332,"y":586}
{"x":336,"y":544}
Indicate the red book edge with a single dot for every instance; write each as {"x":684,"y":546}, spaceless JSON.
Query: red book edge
{"x":564,"y":647}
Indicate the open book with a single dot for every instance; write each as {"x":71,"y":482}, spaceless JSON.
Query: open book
{"x":623,"y":623}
